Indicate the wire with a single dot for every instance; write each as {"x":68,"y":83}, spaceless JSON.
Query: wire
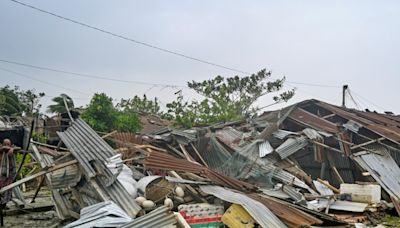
{"x":44,"y":82}
{"x":368,"y":101}
{"x":131,"y":81}
{"x":86,"y":75}
{"x":150,"y":46}
{"x":312,"y":84}
{"x":129,"y":39}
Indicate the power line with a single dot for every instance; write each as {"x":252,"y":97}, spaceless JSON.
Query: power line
{"x":129,"y":39}
{"x":313,"y":84}
{"x":368,"y":101}
{"x":131,"y":81}
{"x":86,"y":75}
{"x":154,"y":46}
{"x":44,"y":82}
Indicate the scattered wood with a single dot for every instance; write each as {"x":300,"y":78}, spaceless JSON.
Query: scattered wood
{"x":41,"y":173}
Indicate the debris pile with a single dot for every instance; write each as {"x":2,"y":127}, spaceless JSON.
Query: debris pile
{"x":308,"y":164}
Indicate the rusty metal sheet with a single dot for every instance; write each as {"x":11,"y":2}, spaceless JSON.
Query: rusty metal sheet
{"x":381,"y":119}
{"x":345,"y":147}
{"x":164,"y":161}
{"x":291,"y":216}
{"x":306,"y":118}
{"x":127,"y":137}
{"x":389,"y":132}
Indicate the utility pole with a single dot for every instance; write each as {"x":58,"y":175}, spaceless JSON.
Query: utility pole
{"x":345,"y":87}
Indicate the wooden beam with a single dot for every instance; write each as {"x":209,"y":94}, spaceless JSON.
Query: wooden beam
{"x":187,"y":155}
{"x":109,"y":134}
{"x":48,"y":145}
{"x":326,"y":146}
{"x":198,"y":154}
{"x":41,"y":173}
{"x":335,"y":190}
{"x":334,"y":169}
{"x":328,"y":116}
{"x":367,"y":143}
{"x":38,"y":188}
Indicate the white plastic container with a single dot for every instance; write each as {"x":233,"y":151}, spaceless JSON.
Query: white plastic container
{"x":369,"y":193}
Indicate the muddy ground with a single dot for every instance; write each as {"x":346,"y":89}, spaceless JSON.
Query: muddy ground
{"x":45,"y":215}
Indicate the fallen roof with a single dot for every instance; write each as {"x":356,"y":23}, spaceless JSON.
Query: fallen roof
{"x":87,"y":147}
{"x":164,"y":161}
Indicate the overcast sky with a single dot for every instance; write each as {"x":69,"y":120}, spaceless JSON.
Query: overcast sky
{"x":315,"y":42}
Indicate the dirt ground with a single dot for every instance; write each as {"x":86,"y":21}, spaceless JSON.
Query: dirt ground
{"x":24,"y":217}
{"x":47,"y":219}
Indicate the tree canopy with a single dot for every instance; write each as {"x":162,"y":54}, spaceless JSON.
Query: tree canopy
{"x":17,"y":102}
{"x":140,"y":105}
{"x":102,"y":116}
{"x":226,"y":99}
{"x":59,"y":105}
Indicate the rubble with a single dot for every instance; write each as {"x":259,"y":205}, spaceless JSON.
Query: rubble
{"x":311,"y":164}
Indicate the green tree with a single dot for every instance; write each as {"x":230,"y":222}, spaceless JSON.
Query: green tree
{"x":31,"y":101}
{"x":59,"y":105}
{"x":17,"y":102}
{"x":102,"y":116}
{"x":140,"y":105}
{"x":127,"y":122}
{"x":226,"y":99}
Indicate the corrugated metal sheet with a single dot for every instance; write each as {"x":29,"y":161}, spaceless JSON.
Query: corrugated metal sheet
{"x":352,"y":126}
{"x":294,"y":194}
{"x":104,"y":214}
{"x":383,"y":169}
{"x":291,"y":146}
{"x":304,"y":117}
{"x":126,"y":137}
{"x":376,"y":123}
{"x":60,"y":201}
{"x":158,"y":218}
{"x":281,"y":134}
{"x":288,"y":178}
{"x":287,"y":212}
{"x":185,"y":137}
{"x":277,"y":193}
{"x":312,"y":134}
{"x":322,"y":189}
{"x":87,"y":147}
{"x":229,"y":136}
{"x":265,"y":148}
{"x":65,"y":177}
{"x":260,"y":213}
{"x":164,"y":161}
{"x":337,"y":205}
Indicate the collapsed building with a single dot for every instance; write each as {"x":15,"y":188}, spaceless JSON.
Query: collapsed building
{"x":311,"y":163}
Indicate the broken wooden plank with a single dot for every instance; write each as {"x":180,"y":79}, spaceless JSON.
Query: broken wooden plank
{"x":198,"y":154}
{"x":41,"y":173}
{"x":367,"y":143}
